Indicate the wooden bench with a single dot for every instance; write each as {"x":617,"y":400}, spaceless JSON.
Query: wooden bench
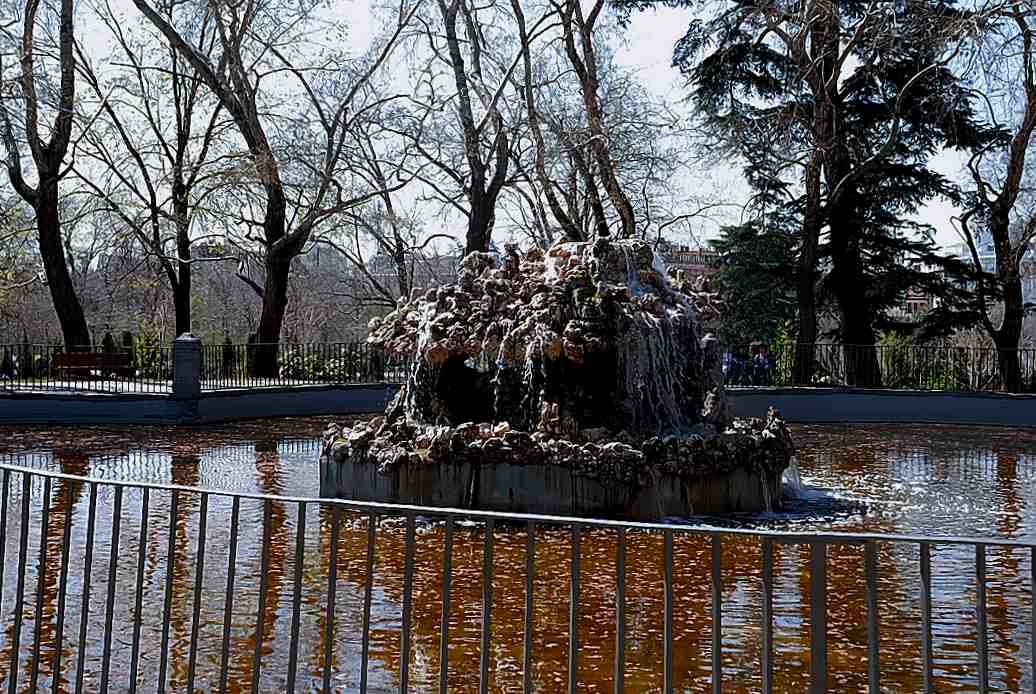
{"x":86,"y":363}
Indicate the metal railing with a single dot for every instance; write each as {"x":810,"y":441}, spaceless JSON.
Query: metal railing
{"x":55,"y":573}
{"x":285,"y":364}
{"x":914,"y":367}
{"x":40,"y":368}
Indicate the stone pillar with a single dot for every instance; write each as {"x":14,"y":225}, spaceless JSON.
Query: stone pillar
{"x":186,"y":367}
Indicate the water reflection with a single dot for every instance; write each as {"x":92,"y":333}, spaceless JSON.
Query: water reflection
{"x":909,"y":483}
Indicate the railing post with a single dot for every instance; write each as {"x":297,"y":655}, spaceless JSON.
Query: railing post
{"x":187,"y":372}
{"x":818,"y":617}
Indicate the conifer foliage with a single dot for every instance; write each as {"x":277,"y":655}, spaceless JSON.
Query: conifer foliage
{"x":836,"y":108}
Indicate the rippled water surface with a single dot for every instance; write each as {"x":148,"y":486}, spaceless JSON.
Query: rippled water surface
{"x":945,"y":481}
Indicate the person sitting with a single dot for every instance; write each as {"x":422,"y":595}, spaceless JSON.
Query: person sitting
{"x":762,"y":365}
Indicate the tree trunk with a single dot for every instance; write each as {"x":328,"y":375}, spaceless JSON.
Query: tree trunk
{"x":847,"y":280}
{"x":806,"y":339}
{"x":182,"y":286}
{"x":805,"y":346}
{"x":862,"y":367}
{"x":805,"y":342}
{"x":848,"y":284}
{"x":70,"y":314}
{"x":831,"y":158}
{"x":480,"y":225}
{"x":182,"y":306}
{"x":1009,"y":363}
{"x":275,"y":303}
{"x":404,"y":279}
{"x":1010,"y":332}
{"x":585,"y":67}
{"x":824,"y":44}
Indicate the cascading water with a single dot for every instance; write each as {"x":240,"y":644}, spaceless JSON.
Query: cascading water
{"x":585,"y":358}
{"x":792,"y":479}
{"x":767,"y":498}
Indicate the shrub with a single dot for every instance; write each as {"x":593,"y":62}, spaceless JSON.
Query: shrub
{"x":895,"y":354}
{"x":339,"y":365}
{"x":148,"y":359}
{"x":127,"y":344}
{"x":7,"y":364}
{"x":26,"y":359}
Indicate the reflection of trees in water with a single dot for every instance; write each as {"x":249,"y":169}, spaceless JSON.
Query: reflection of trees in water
{"x":161,"y":556}
{"x":319,"y":580}
{"x":898,"y":593}
{"x":184,"y":472}
{"x":268,"y":466}
{"x":846,"y":612}
{"x":270,"y":574}
{"x":64,"y":496}
{"x":692,"y":606}
{"x":966,"y":454}
{"x":985,"y":469}
{"x":1008,"y":578}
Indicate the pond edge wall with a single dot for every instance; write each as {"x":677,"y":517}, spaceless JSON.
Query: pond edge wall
{"x":209,"y":407}
{"x":797,"y":405}
{"x":843,"y":405}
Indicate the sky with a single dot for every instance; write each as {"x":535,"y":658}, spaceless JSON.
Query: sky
{"x":647,"y":49}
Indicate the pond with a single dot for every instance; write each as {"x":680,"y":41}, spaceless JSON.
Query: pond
{"x":945,"y":481}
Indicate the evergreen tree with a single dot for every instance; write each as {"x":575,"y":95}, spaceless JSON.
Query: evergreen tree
{"x":836,"y":108}
{"x":753,"y":281}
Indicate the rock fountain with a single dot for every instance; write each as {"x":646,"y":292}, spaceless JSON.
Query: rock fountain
{"x":571,"y":381}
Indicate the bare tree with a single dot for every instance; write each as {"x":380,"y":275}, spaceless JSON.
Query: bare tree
{"x":578,"y":32}
{"x":647,"y":154}
{"x":459,"y":122}
{"x":149,"y":158}
{"x":48,"y":151}
{"x":1005,"y":77}
{"x":379,"y":241}
{"x":544,"y":188}
{"x":258,"y":40}
{"x":386,"y":226}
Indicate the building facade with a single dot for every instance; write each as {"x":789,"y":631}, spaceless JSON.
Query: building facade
{"x":693,"y":261}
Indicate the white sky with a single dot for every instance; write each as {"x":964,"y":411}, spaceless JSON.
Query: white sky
{"x":647,"y":50}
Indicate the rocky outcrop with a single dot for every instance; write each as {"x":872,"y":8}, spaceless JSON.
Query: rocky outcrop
{"x":583,"y":365}
{"x":582,"y":336}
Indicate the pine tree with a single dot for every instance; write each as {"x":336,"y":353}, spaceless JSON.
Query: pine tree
{"x":836,"y":108}
{"x":752,"y":279}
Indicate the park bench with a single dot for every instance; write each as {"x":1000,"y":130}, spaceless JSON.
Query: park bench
{"x":87,"y":363}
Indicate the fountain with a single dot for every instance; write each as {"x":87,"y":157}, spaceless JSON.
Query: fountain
{"x":571,"y":381}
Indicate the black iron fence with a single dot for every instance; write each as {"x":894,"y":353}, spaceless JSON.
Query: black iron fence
{"x":148,"y":369}
{"x":915,"y":367}
{"x":140,"y":369}
{"x":115,"y":586}
{"x":285,"y":364}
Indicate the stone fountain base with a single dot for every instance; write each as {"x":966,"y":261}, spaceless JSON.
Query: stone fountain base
{"x":495,"y":468}
{"x":565,"y":366}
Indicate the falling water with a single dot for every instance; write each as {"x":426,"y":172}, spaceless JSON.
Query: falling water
{"x":793,"y":479}
{"x":650,"y":359}
{"x":632,"y":280}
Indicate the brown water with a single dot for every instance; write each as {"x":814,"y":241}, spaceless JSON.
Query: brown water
{"x":931,"y":480}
